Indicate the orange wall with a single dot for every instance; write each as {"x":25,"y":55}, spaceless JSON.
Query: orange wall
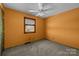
{"x":14,"y":28}
{"x":64,"y":28}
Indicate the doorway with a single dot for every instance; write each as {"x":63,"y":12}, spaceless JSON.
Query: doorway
{"x":1,"y":31}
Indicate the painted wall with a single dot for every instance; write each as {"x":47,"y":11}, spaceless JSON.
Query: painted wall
{"x":14,"y":28}
{"x":64,"y":28}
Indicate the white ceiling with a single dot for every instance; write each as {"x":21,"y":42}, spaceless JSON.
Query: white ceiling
{"x":53,"y":8}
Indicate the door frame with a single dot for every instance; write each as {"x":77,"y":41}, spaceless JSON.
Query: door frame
{"x":3,"y":34}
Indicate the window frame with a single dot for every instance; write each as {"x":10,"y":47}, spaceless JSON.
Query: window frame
{"x":25,"y":25}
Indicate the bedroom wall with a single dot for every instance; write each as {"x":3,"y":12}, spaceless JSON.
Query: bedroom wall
{"x":14,"y":28}
{"x":64,"y":28}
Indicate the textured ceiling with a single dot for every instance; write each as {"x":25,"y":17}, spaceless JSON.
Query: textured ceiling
{"x":53,"y":8}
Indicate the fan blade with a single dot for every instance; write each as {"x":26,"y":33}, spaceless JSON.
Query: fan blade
{"x":48,"y":9}
{"x":33,"y":11}
{"x":40,"y":6}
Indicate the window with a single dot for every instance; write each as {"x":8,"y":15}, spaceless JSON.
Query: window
{"x":29,"y":25}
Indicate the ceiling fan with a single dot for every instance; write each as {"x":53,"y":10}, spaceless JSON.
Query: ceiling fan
{"x":40,"y":11}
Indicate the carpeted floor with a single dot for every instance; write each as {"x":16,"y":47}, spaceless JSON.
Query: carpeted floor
{"x":41,"y":48}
